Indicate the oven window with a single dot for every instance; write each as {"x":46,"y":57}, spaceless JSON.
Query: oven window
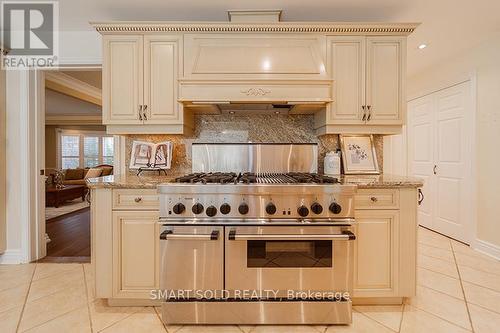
{"x":314,"y":253}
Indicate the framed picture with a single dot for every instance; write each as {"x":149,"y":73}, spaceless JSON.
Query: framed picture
{"x":358,"y":155}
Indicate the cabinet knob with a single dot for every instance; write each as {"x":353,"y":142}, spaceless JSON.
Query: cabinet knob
{"x":374,"y":199}
{"x":138,"y":199}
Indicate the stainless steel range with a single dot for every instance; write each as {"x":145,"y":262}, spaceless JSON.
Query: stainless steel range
{"x":259,"y":245}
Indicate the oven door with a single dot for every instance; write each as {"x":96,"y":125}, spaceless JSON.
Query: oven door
{"x":191,"y":258}
{"x":289,"y":258}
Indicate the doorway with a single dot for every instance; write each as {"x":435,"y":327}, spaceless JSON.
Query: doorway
{"x":75,"y":147}
{"x":440,"y":151}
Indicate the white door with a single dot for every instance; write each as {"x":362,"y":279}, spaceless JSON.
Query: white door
{"x":440,"y":134}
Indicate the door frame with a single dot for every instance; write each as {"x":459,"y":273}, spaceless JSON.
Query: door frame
{"x":37,"y":245}
{"x":471,"y":180}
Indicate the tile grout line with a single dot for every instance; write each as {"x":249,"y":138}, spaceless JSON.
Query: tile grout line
{"x":381,"y":324}
{"x":87,"y":297}
{"x":463,"y":292}
{"x":113,"y":324}
{"x":402,"y":314}
{"x":161,"y":321}
{"x":25,"y":300}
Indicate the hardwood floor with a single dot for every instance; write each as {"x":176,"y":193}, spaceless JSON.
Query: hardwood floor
{"x":70,"y":237}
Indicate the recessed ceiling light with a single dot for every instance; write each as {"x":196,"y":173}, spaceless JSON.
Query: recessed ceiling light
{"x":422,"y":46}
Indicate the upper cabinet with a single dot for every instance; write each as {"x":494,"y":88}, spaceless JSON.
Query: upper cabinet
{"x":368,"y":85}
{"x":140,"y":84}
{"x":157,"y":75}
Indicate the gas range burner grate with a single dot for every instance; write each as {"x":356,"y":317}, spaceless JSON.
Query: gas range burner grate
{"x":257,"y":178}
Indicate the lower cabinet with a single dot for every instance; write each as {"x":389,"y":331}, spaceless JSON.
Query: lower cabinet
{"x":376,"y":253}
{"x":135,"y":254}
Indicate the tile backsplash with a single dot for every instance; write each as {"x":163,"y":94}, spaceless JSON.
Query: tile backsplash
{"x":243,"y":128}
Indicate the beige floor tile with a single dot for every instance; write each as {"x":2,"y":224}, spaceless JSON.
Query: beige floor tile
{"x":441,"y":305}
{"x":9,"y":319}
{"x":279,"y":329}
{"x":435,"y":252}
{"x":45,"y":270}
{"x":484,"y":321}
{"x":14,"y":275}
{"x":144,"y":321}
{"x":72,"y":278}
{"x":243,"y":328}
{"x":76,"y":321}
{"x":441,"y":242}
{"x":360,"y":324}
{"x":419,"y":321}
{"x":488,"y":265}
{"x":437,"y":265}
{"x":387,"y":315}
{"x":103,"y":316}
{"x":49,"y":307}
{"x":439,"y":282}
{"x":13,"y":297}
{"x":89,"y":279}
{"x":481,"y":278}
{"x":484,"y":297}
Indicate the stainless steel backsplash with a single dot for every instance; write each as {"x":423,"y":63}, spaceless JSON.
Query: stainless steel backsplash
{"x":254,"y":157}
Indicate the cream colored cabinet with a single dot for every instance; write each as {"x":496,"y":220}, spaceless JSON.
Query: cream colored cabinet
{"x":368,"y":85}
{"x":140,"y":84}
{"x":135,"y":254}
{"x":385,"y":246}
{"x":122,"y":79}
{"x":385,"y":72}
{"x":376,"y":261}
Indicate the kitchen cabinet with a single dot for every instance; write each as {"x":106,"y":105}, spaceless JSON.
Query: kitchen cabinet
{"x":136,"y":254}
{"x":376,"y":261}
{"x":140,"y":84}
{"x":385,"y":245}
{"x":368,"y":85}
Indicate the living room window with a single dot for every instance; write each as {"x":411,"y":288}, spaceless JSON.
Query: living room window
{"x":84,"y":149}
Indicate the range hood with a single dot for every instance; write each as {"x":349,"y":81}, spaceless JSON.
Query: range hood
{"x":260,"y":72}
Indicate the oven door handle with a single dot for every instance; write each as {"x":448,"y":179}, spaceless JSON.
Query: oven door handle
{"x":344,"y":236}
{"x":169,"y":235}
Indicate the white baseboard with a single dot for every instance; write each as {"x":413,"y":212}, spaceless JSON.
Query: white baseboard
{"x":487,"y":248}
{"x":11,"y":257}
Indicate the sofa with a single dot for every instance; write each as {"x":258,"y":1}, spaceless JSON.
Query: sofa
{"x":79,"y":176}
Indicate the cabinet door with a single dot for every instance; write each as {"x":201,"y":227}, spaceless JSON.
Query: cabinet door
{"x":161,"y":70}
{"x":376,"y":253}
{"x":135,"y":254}
{"x":122,"y":79}
{"x":346,"y":64}
{"x":385,"y":72}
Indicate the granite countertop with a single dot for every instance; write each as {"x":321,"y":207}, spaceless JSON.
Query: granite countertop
{"x":150,"y":182}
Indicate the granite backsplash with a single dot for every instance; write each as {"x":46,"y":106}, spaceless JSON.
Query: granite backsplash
{"x":243,"y":128}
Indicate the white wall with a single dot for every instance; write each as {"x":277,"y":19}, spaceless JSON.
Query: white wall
{"x":80,"y":47}
{"x":484,"y":61}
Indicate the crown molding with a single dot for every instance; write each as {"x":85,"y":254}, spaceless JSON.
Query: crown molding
{"x":403,"y":29}
{"x":69,"y":119}
{"x":71,"y":86}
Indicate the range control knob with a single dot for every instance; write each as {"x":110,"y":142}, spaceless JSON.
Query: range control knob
{"x":335,"y":208}
{"x":270,"y":208}
{"x":197,"y":208}
{"x":243,"y":208}
{"x":316,"y":208}
{"x":211,"y":211}
{"x":303,"y":211}
{"x":225,"y":208}
{"x":179,"y":208}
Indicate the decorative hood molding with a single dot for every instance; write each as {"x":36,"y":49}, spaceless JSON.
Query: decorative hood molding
{"x":402,"y":29}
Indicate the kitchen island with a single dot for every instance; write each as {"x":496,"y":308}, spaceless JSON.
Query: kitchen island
{"x":125,"y":238}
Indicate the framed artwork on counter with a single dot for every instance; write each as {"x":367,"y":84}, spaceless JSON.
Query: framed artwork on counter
{"x":359,"y":155}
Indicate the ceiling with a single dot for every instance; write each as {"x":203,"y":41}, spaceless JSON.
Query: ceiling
{"x":448,"y":26}
{"x":57,"y":104}
{"x":94,"y":78}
